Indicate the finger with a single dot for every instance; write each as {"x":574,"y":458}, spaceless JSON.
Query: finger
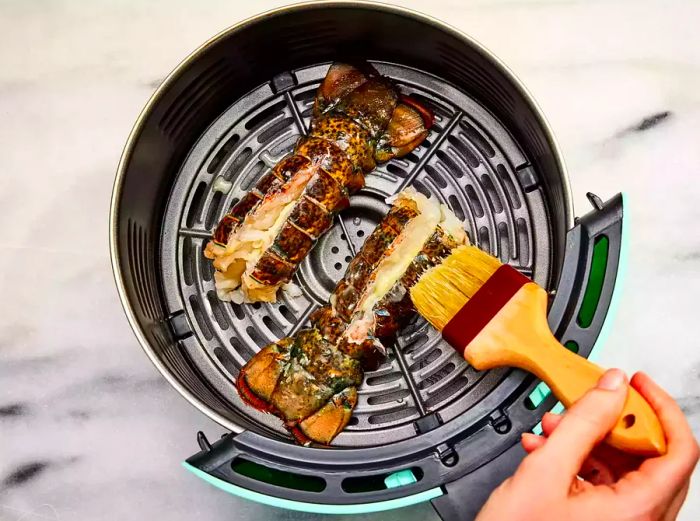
{"x":678,"y":434}
{"x":619,"y":463}
{"x":584,"y":425}
{"x":596,"y":471}
{"x":580,"y":486}
{"x":682,"y":452}
{"x":531,"y":442}
{"x":677,"y":503}
{"x":550,"y":422}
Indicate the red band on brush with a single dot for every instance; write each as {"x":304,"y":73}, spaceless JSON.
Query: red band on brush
{"x":483,"y":306}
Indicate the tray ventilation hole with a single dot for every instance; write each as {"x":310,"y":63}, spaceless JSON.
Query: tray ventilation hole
{"x":223,"y":154}
{"x":474,"y":201}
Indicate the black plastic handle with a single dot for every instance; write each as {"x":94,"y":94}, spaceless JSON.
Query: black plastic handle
{"x":464,"y":497}
{"x":589,"y":275}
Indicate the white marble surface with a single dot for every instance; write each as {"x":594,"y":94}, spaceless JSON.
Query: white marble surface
{"x":88,"y":429}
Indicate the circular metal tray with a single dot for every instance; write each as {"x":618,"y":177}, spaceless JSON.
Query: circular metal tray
{"x":469,"y":162}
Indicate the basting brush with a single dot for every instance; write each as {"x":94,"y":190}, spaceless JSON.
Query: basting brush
{"x":495,"y":316}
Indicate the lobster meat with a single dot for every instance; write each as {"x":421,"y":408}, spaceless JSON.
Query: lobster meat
{"x":310,"y":380}
{"x":358,"y":119}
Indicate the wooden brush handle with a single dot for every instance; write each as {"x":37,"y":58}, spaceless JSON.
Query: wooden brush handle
{"x":519,"y":336}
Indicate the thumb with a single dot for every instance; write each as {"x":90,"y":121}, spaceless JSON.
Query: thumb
{"x":585,"y":424}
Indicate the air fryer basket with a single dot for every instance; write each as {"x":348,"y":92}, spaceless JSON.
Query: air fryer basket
{"x":238,"y":104}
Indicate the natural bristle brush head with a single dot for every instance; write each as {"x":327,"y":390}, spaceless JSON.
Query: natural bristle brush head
{"x":444,"y":289}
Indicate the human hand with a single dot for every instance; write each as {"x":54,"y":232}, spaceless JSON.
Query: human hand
{"x":567,"y":475}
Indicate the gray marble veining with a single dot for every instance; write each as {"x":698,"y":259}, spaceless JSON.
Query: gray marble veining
{"x":88,"y":428}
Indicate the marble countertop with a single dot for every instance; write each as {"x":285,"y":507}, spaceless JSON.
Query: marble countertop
{"x":88,"y":429}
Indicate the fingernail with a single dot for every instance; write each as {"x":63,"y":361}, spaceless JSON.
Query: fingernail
{"x":612,"y":380}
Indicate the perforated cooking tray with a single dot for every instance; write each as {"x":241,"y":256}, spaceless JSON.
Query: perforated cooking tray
{"x":426,"y":424}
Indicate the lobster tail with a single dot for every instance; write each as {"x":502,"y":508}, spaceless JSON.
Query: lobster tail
{"x":358,"y":120}
{"x":310,"y":380}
